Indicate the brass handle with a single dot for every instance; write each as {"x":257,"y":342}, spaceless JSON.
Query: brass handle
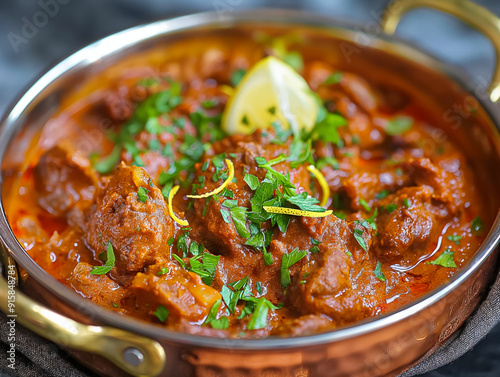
{"x":134,"y":354}
{"x":470,"y":13}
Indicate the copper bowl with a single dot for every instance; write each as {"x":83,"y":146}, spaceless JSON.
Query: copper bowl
{"x":383,"y":346}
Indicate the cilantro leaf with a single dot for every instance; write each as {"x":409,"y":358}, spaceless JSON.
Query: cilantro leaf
{"x":220,"y":324}
{"x":142,"y":194}
{"x":239,"y":216}
{"x":162,"y":313}
{"x":259,"y":316}
{"x":236,"y":76}
{"x":454,"y":238}
{"x":445,"y":259}
{"x":378,"y":272}
{"x":399,"y":125}
{"x":287,"y":261}
{"x":212,"y":314}
{"x":326,"y":129}
{"x":477,"y":226}
{"x":358,"y":235}
{"x":252,"y":181}
{"x":334,"y":78}
{"x":110,"y":262}
{"x":206,"y":267}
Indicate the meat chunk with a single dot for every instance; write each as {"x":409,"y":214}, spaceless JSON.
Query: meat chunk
{"x":305,"y":325}
{"x":183,"y":293}
{"x":447,"y":187}
{"x":138,"y":227}
{"x":326,"y":286}
{"x":64,"y":178}
{"x":98,"y":288}
{"x":408,"y":225}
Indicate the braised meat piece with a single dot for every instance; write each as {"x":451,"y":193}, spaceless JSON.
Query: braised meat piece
{"x":129,"y":211}
{"x":64,"y":178}
{"x":99,"y":288}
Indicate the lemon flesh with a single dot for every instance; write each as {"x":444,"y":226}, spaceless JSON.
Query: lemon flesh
{"x":271,"y":91}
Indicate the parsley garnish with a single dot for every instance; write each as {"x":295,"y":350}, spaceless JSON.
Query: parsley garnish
{"x":445,"y":259}
{"x":163,"y":271}
{"x":110,"y":262}
{"x":236,"y":76}
{"x":162,"y":313}
{"x":477,"y":226}
{"x":212,"y":314}
{"x":382,"y":194}
{"x":252,"y":181}
{"x":358,"y":235}
{"x":205,"y":268}
{"x":334,"y":78}
{"x":399,"y":125}
{"x":142,"y":194}
{"x":378,"y":272}
{"x":454,"y":238}
{"x":288,"y":261}
{"x":365,"y":205}
{"x":389,"y":208}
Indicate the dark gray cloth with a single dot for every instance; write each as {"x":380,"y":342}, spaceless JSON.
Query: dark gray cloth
{"x":76,"y":23}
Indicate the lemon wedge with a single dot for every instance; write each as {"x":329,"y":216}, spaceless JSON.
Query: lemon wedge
{"x":270,"y":91}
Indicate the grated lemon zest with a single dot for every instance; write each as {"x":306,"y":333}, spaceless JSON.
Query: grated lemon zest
{"x":174,"y":217}
{"x":296,"y":212}
{"x":230,"y":167}
{"x":322,"y":182}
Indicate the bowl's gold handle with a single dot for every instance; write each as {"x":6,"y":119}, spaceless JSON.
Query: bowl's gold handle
{"x":470,"y":13}
{"x":134,"y":354}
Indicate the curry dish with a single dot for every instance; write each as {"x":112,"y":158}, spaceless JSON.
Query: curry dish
{"x":139,"y":198}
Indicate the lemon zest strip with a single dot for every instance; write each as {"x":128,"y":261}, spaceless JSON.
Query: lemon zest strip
{"x":296,"y":212}
{"x":322,"y":182}
{"x":174,"y":217}
{"x":229,"y":179}
{"x":227,"y":90}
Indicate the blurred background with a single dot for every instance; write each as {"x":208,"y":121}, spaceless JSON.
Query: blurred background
{"x":27,"y":52}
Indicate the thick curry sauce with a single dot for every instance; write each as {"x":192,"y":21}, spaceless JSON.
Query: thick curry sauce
{"x":91,"y":207}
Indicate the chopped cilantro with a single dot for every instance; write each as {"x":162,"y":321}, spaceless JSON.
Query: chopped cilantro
{"x":378,"y":272}
{"x":288,"y":261}
{"x":212,"y":314}
{"x":252,"y":181}
{"x":110,"y":262}
{"x":258,"y":286}
{"x":382,"y":194}
{"x":236,"y":76}
{"x":358,"y":235}
{"x":389,"y":208}
{"x":477,"y":226}
{"x":334,"y":78}
{"x":365,"y":205}
{"x":162,"y":313}
{"x":326,"y":128}
{"x":163,"y":271}
{"x":454,"y":238}
{"x":142,"y":194}
{"x":445,"y":259}
{"x":206,"y":267}
{"x":220,"y":324}
{"x":399,"y":125}
{"x":239,"y":216}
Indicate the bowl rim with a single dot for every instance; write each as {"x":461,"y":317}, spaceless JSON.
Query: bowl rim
{"x":130,"y":38}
